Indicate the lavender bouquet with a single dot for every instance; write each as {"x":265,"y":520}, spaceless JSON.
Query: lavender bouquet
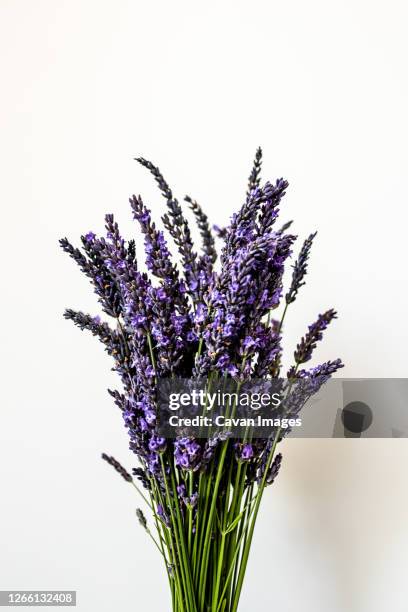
{"x":189,"y":320}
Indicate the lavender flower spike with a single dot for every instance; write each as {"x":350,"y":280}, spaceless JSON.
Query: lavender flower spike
{"x":255,"y":176}
{"x":300,"y":269}
{"x":118,"y":467}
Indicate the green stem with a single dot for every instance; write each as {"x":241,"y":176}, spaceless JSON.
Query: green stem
{"x":152,"y":357}
{"x":207,"y":541}
{"x":190,"y":511}
{"x":182,"y":538}
{"x":282,"y":318}
{"x":231,"y":566}
{"x":219,"y":569}
{"x":174,"y":529}
{"x":141,"y":494}
{"x":245,"y":554}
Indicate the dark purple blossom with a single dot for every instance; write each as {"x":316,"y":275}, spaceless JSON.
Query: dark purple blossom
{"x":90,"y":237}
{"x":187,"y":453}
{"x":118,"y":467}
{"x":308,"y":343}
{"x":163,"y":515}
{"x":142,"y":477}
{"x":141,"y":518}
{"x":274,"y":469}
{"x":157,"y":444}
{"x":244,"y":452}
{"x":300,"y":269}
{"x":255,"y":176}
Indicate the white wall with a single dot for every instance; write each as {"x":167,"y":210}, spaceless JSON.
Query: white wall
{"x":88,"y":85}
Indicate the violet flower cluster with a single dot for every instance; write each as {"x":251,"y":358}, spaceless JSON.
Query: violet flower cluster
{"x":191,"y":319}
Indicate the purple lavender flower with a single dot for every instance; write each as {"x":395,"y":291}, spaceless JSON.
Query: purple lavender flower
{"x":142,"y":477}
{"x":187,"y":453}
{"x":300,"y":269}
{"x":141,"y":518}
{"x":118,"y":467}
{"x":90,"y":237}
{"x":163,"y":515}
{"x":274,"y":469}
{"x":255,"y":176}
{"x":308,"y":343}
{"x":181,"y":490}
{"x":157,"y":444}
{"x":244,"y":452}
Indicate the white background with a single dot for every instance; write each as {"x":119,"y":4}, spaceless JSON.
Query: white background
{"x":196,"y":87}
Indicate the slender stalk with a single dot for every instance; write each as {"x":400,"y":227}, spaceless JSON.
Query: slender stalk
{"x":151,"y":352}
{"x":174,"y":530}
{"x":142,"y":495}
{"x":282,"y":318}
{"x":232,"y":567}
{"x":248,"y":542}
{"x":186,"y":559}
{"x":190,"y":510}
{"x":169,"y":544}
{"x":210,"y":519}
